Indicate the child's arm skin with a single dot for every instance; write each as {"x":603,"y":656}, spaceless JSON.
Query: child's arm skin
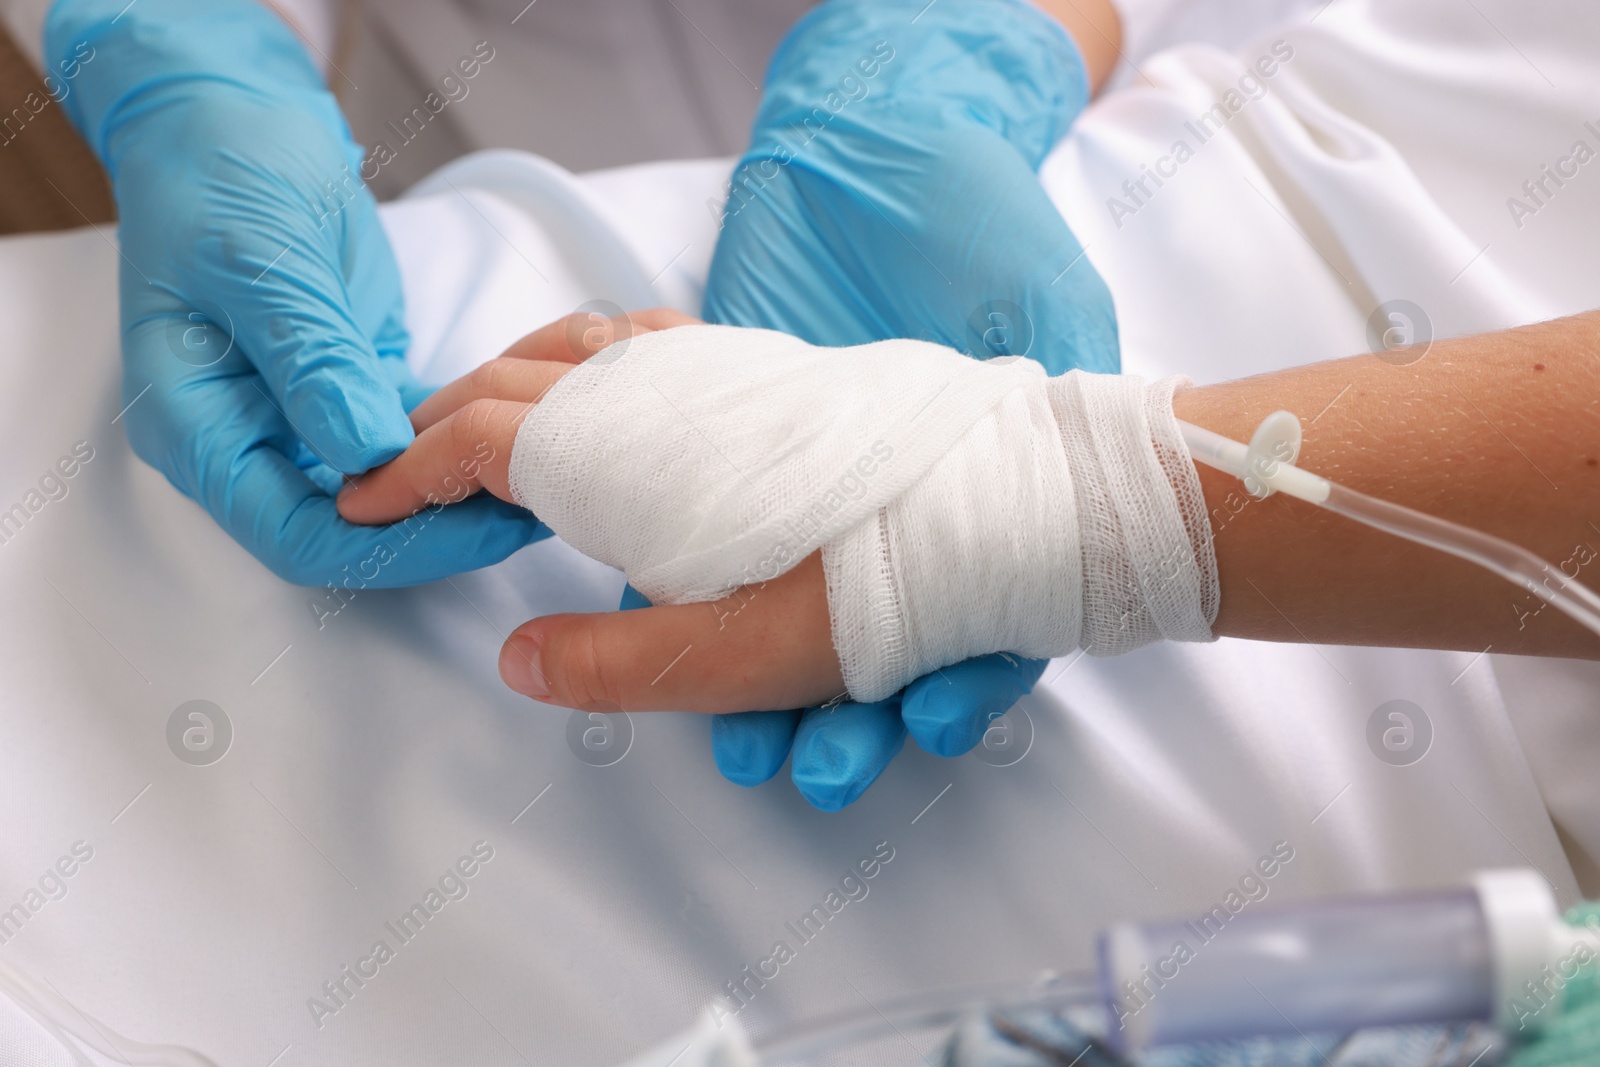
{"x":1500,"y":432}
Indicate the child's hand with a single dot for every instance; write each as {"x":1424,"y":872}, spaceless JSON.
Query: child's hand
{"x":465,"y":430}
{"x":767,"y":646}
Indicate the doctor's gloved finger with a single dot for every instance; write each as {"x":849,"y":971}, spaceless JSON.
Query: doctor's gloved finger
{"x":840,"y":751}
{"x":292,"y":317}
{"x":576,"y":337}
{"x":470,"y":449}
{"x":434,"y":544}
{"x":284,"y":519}
{"x":377,"y":297}
{"x":764,"y":647}
{"x":750,"y":747}
{"x":412,"y":392}
{"x":391,"y":338}
{"x":522,"y":380}
{"x":948,"y":711}
{"x":632,"y":599}
{"x":243,"y":474}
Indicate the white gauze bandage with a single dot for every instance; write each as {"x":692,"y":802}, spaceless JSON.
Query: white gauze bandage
{"x":962,"y":507}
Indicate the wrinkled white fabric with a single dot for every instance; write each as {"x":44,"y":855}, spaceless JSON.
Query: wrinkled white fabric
{"x":962,"y":507}
{"x":384,"y":742}
{"x":1148,"y":26}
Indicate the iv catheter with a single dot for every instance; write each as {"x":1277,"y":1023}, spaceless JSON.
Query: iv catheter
{"x":1495,"y":951}
{"x":1266,"y":466}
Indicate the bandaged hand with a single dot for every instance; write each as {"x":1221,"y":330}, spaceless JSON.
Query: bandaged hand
{"x":465,"y":430}
{"x":820,"y":521}
{"x":890,"y":191}
{"x":778,"y":656}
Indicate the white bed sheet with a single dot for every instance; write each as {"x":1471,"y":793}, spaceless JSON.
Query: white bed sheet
{"x":370,"y":754}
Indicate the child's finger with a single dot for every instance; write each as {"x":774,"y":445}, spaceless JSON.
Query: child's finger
{"x":527,"y":369}
{"x":662,"y":319}
{"x":466,"y":429}
{"x":525,"y":381}
{"x":578,"y":336}
{"x":467,"y":450}
{"x":766,"y":647}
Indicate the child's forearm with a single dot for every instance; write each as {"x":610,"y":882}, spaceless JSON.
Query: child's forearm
{"x":1499,"y":432}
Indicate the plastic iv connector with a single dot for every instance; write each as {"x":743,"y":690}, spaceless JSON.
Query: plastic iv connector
{"x":1495,"y":951}
{"x":1266,"y":466}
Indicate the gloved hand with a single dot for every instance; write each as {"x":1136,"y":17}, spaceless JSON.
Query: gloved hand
{"x":890,"y":191}
{"x":840,"y":750}
{"x":262,"y":316}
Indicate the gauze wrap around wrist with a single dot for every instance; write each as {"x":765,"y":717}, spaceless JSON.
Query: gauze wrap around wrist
{"x":962,"y":507}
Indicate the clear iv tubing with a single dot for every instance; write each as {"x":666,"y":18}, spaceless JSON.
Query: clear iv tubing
{"x":1509,"y":561}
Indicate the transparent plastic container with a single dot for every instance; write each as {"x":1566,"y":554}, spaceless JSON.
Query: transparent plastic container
{"x":1329,"y":966}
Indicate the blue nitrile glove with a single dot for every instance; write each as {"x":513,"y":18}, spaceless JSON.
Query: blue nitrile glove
{"x":841,"y":750}
{"x":890,"y":191}
{"x":262,"y":316}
